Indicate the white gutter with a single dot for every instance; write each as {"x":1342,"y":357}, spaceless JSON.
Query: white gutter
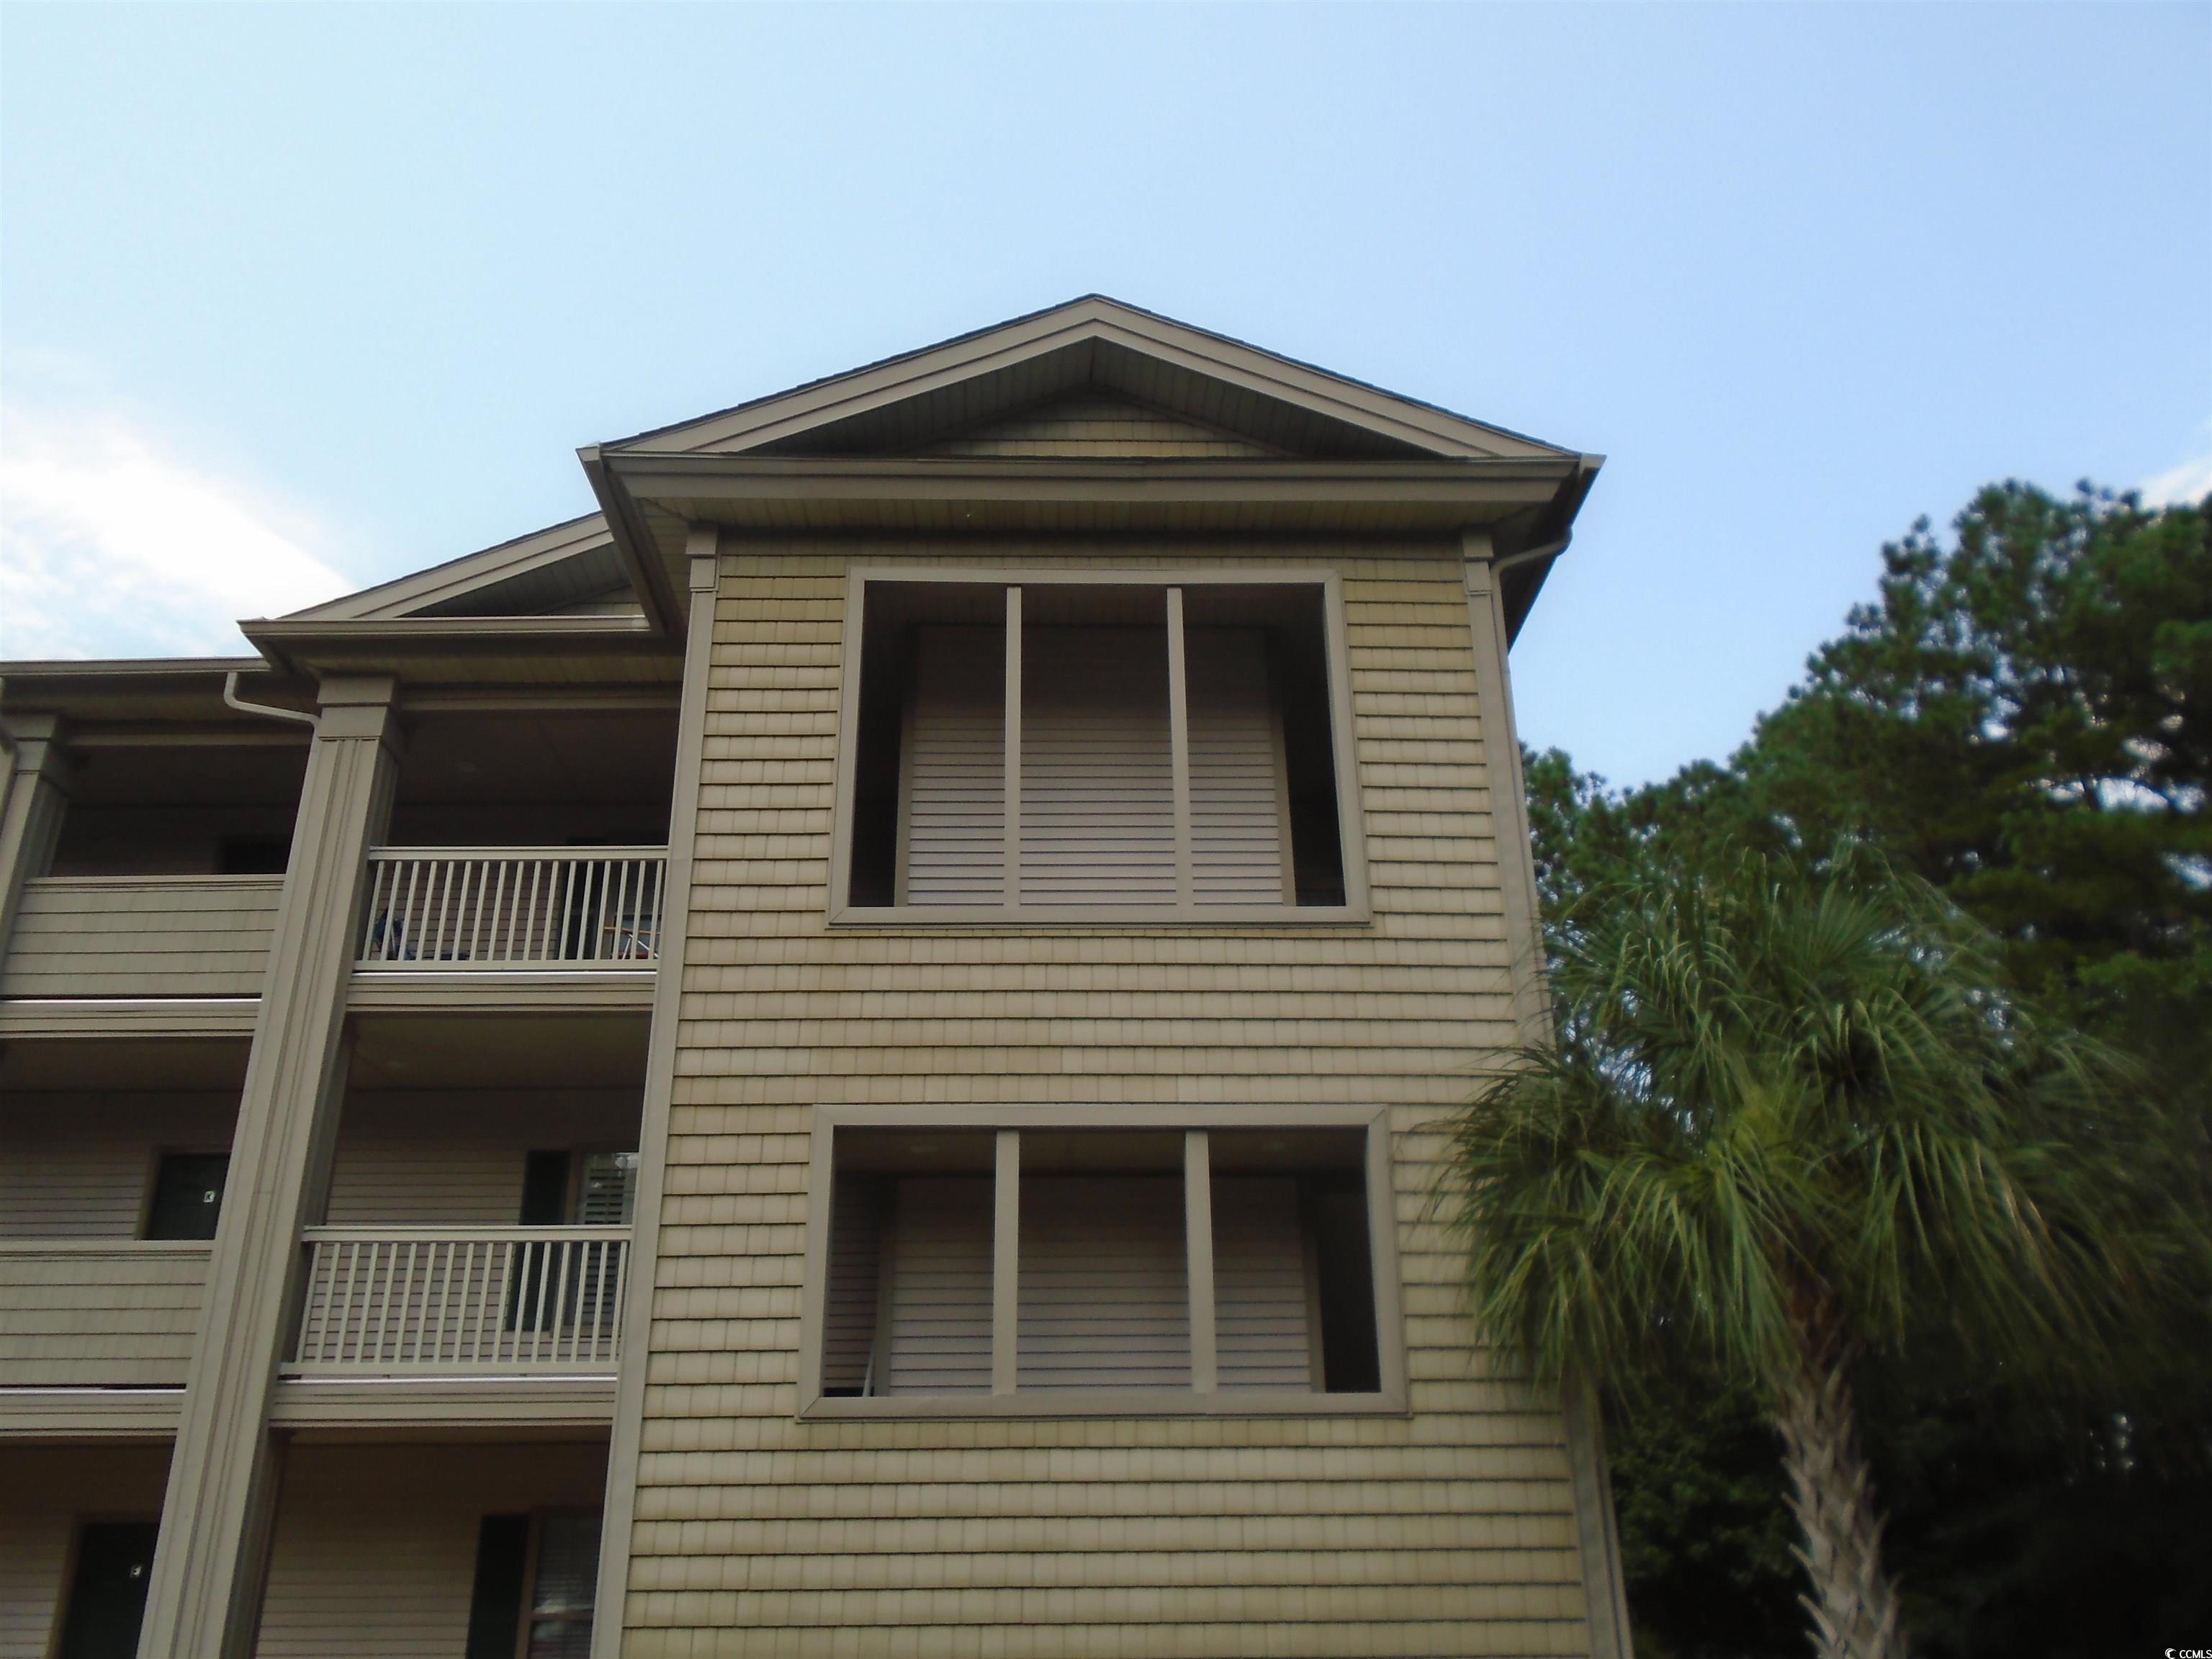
{"x":230,"y":697}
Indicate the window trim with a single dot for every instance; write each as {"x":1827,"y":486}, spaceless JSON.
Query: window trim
{"x":1203,"y":1398}
{"x":1351,"y":835}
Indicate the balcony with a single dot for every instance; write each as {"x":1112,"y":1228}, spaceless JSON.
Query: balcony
{"x":99,"y":1313}
{"x":142,"y":936}
{"x":460,"y":1301}
{"x":512,"y":908}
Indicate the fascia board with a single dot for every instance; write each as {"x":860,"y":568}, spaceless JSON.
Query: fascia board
{"x":464,"y":633}
{"x":836,"y":398}
{"x":771,"y":419}
{"x":130,"y":667}
{"x":423,"y":588}
{"x":692,"y":476}
{"x":640,"y":559}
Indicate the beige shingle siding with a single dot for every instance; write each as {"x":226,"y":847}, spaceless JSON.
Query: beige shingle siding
{"x":1446,"y":1531}
{"x":141,"y":936}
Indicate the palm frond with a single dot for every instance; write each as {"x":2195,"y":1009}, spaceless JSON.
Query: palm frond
{"x":1776,"y":1082}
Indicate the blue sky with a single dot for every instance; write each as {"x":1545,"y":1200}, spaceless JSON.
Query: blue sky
{"x":296,"y":299}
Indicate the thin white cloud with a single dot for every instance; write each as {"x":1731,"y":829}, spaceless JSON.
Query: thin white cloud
{"x":2182,"y":486}
{"x":109,"y":547}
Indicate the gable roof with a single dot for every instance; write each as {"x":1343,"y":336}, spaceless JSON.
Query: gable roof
{"x":547,"y":573}
{"x":894,"y":445}
{"x":1058,"y":420}
{"x":898,"y":403}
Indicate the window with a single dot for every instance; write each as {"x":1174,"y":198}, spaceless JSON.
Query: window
{"x":187,"y":1199}
{"x":1100,"y":749}
{"x":566,"y":1279}
{"x":1208,"y":1266}
{"x":556,"y":1554}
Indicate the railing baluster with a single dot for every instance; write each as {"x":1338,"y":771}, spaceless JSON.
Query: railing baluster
{"x":410,"y":929}
{"x":372,"y":908}
{"x":444,"y":1254}
{"x":544,"y":1256}
{"x":505,"y":909}
{"x":604,"y":1250}
{"x":626,"y":911}
{"x":487,"y":907}
{"x":484,"y":1294}
{"x":619,"y":1249}
{"x":603,"y":882}
{"x":345,"y":1305}
{"x":490,"y":885}
{"x":446,"y":867}
{"x":446,"y":1301}
{"x":561,"y":1310}
{"x":533,"y":930}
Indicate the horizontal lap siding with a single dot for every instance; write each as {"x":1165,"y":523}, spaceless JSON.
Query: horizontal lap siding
{"x":375,"y":1547}
{"x":96,"y":1315}
{"x":142,"y":936}
{"x":43,"y":1489}
{"x":82,"y":1165}
{"x":1448,"y":1531}
{"x":438,"y":1158}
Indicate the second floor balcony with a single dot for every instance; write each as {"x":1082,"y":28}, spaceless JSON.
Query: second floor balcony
{"x":489,"y":908}
{"x":393,"y":1302}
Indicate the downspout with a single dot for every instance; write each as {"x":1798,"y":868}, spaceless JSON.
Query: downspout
{"x":7,"y":742}
{"x":230,"y":697}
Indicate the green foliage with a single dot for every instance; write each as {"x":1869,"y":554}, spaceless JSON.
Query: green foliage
{"x":2025,"y":719}
{"x":1776,"y":1087}
{"x":2020,"y":721}
{"x":1704,"y":1535}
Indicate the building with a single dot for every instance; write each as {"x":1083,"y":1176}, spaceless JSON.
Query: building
{"x":844,"y":1057}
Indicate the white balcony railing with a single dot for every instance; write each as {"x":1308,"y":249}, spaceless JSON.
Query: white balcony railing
{"x":512,"y":907}
{"x":454,"y":1301}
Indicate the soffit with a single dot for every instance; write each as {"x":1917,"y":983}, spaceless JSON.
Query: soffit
{"x":549,"y":572}
{"x":152,"y":694}
{"x":903,"y":402}
{"x":478,"y":651}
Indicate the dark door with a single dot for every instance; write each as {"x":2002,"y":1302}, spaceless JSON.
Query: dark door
{"x":114,"y":1562}
{"x":188,"y":1196}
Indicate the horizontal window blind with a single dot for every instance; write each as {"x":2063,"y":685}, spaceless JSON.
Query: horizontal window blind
{"x":1104,"y":1295}
{"x":956,"y":815}
{"x":848,"y":1309}
{"x":1262,"y":1337}
{"x":940,"y":1290}
{"x":1237,"y":804}
{"x":1098,"y":768}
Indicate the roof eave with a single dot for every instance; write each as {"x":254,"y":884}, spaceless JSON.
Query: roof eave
{"x":656,"y":593}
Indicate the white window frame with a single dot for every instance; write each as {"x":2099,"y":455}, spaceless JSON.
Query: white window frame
{"x":1351,"y":839}
{"x":1204,"y":1397}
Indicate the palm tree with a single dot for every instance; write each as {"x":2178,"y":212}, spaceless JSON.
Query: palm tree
{"x":1793,"y":1121}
